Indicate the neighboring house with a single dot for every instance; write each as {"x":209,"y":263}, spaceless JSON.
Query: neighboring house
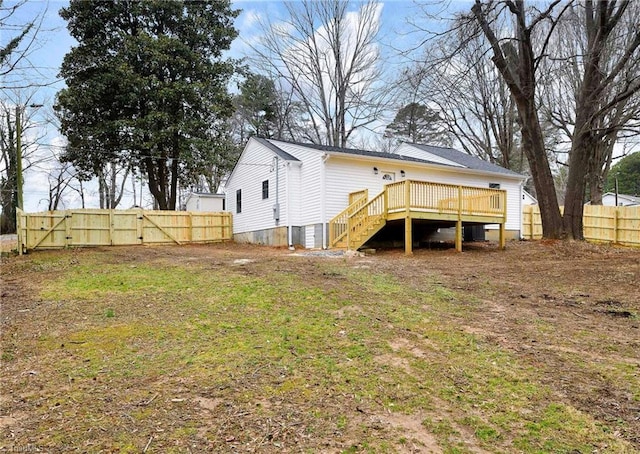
{"x":283,"y":193}
{"x":609,"y":199}
{"x":204,"y":201}
{"x":528,"y":199}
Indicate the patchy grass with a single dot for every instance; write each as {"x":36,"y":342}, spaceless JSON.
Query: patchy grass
{"x":282,"y":354}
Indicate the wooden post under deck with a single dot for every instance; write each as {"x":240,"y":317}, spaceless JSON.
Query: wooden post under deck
{"x":459,"y":222}
{"x":503,"y":243}
{"x":408,"y":234}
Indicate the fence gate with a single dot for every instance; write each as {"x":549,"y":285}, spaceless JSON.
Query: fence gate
{"x":92,"y":227}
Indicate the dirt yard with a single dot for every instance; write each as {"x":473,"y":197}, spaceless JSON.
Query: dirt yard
{"x":479,"y":351}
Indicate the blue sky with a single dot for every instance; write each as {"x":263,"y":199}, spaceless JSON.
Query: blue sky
{"x":54,"y":42}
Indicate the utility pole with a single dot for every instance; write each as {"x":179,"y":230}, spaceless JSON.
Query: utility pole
{"x":20,"y":199}
{"x":20,"y":109}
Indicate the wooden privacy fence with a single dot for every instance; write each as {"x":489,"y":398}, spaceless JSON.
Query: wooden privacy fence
{"x":601,"y":224}
{"x":93,"y":227}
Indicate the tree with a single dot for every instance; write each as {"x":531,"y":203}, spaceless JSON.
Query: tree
{"x":329,"y":58}
{"x":473,"y":101}
{"x":516,"y":59}
{"x":417,"y":123}
{"x":610,"y":78}
{"x":224,"y":157}
{"x":146,"y":88}
{"x":17,"y":39}
{"x":16,"y":118}
{"x":255,"y":107}
{"x":627,"y":172}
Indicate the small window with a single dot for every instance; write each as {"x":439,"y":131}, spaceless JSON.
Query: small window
{"x":494,"y":185}
{"x":265,"y":189}
{"x":239,"y":201}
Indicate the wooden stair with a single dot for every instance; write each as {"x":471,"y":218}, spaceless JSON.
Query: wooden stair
{"x":358,"y":223}
{"x":413,"y":199}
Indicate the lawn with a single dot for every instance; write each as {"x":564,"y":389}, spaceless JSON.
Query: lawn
{"x":229,"y":348}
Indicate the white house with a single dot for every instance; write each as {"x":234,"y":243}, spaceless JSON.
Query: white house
{"x":609,"y":199}
{"x":528,"y":199}
{"x":204,"y":201}
{"x":283,"y":193}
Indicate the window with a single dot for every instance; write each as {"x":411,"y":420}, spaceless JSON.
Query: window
{"x":265,"y":189}
{"x":494,"y":185}
{"x":388,"y":176}
{"x":239,"y":201}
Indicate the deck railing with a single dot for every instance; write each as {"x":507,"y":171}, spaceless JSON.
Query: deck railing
{"x":367,"y":216}
{"x":339,"y":224}
{"x":445,"y":198}
{"x":421,"y":196}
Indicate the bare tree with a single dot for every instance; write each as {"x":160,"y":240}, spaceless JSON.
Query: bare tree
{"x":330,"y":58}
{"x":61,"y":180}
{"x":111,"y":180}
{"x":472,"y":98}
{"x":517,"y":58}
{"x":16,"y":119}
{"x":593,"y":94}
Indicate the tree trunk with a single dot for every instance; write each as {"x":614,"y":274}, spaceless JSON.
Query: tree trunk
{"x":576,"y":183}
{"x":519,"y":74}
{"x":534,"y":149}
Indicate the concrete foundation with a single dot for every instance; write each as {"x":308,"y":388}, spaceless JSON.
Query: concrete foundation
{"x":277,"y":236}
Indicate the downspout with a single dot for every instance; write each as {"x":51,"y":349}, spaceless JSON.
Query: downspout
{"x":276,"y":208}
{"x":323,"y":197}
{"x":288,"y":198}
{"x":521,"y":208}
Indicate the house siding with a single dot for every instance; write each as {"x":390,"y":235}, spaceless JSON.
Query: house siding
{"x":308,"y":188}
{"x":313,"y":189}
{"x":204,"y":202}
{"x":256,"y":165}
{"x":346,"y":175}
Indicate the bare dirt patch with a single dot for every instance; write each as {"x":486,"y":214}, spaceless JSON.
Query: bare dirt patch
{"x":569,"y":311}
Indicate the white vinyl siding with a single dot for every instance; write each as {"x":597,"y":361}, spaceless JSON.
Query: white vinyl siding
{"x":256,"y":164}
{"x":310,"y":186}
{"x":316,"y":187}
{"x":346,"y":175}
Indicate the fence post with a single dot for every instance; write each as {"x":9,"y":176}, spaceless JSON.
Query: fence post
{"x":140,"y":225}
{"x":111,"y":227}
{"x":67,"y":227}
{"x":615,"y":225}
{"x":19,"y":221}
{"x":531,"y":221}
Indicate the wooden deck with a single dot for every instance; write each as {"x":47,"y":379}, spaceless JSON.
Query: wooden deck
{"x":412,"y":199}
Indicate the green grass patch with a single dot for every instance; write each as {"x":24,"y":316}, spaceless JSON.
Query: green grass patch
{"x":367,"y":344}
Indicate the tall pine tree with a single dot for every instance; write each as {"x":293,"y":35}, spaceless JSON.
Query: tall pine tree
{"x":147,"y":87}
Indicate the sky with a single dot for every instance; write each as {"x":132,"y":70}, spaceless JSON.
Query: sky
{"x":54,"y":42}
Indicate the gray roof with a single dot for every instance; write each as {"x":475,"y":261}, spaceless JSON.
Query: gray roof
{"x":464,"y":159}
{"x":280,"y":152}
{"x":353,"y":151}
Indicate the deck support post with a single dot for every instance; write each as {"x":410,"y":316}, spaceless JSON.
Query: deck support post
{"x":459,"y":235}
{"x":502,"y":236}
{"x":408,"y":236}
